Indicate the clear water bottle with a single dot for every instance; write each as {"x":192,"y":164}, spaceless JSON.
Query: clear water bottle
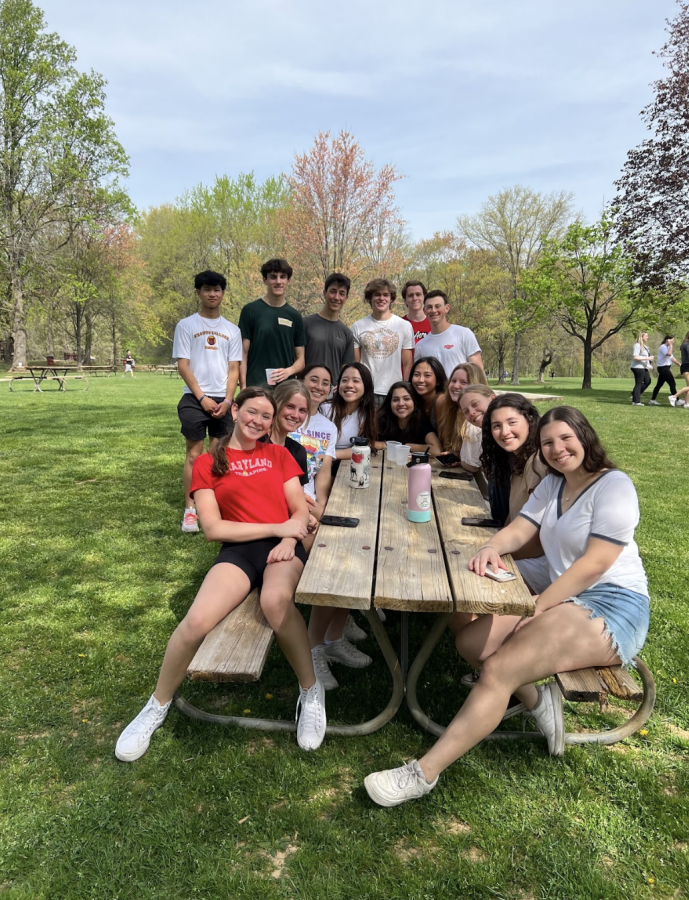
{"x":419,"y":492}
{"x":360,"y":463}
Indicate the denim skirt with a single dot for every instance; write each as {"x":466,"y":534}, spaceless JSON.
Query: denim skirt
{"x":626,"y":616}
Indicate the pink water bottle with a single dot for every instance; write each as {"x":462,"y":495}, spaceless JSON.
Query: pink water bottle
{"x":419,"y":493}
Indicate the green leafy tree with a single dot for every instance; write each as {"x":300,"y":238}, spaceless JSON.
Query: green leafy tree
{"x":58,"y":149}
{"x":587,"y":283}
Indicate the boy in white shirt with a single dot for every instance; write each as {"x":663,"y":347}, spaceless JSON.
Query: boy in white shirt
{"x":383,"y":342}
{"x":208,"y":350}
{"x":450,"y":344}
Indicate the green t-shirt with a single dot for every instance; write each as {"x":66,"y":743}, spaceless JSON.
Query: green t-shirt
{"x":274,"y":332}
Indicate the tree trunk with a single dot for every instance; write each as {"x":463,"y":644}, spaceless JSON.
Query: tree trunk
{"x":501,"y":362}
{"x":113,"y":323}
{"x":588,"y":364}
{"x":78,"y":315}
{"x":18,"y":323}
{"x":88,"y":338}
{"x":515,"y":364}
{"x":50,"y":349}
{"x":545,"y":362}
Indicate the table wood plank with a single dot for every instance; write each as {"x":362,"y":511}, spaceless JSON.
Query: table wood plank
{"x":453,"y":500}
{"x":339,"y":570}
{"x":410,"y":573}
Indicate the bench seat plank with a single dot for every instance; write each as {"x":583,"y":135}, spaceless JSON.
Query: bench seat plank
{"x":621,"y":684}
{"x":237,"y":648}
{"x":582,"y":685}
{"x":335,"y":548}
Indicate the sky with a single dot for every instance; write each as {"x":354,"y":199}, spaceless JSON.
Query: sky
{"x":464,"y":98}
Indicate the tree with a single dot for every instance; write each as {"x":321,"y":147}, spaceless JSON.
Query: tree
{"x":513,"y":224}
{"x":588,"y":284}
{"x":58,"y":146}
{"x":652,"y":203}
{"x":343,"y":215}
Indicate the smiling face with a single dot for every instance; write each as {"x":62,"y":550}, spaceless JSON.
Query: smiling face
{"x":423,"y":378}
{"x":276,"y":284}
{"x":253,"y":419}
{"x":401,"y":403}
{"x":561,"y":447}
{"x":351,"y":386}
{"x":436,"y":310}
{"x":474,"y":407}
{"x":509,"y":428}
{"x":414,"y":300}
{"x":317,"y":383}
{"x":457,"y":383}
{"x":335,"y":297}
{"x":380,"y":301}
{"x":293,"y":414}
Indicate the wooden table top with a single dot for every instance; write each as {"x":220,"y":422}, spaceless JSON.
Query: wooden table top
{"x":398,"y":564}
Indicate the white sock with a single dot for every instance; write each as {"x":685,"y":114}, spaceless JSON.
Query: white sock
{"x":158,"y":705}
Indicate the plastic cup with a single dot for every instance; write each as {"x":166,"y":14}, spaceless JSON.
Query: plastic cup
{"x":390,"y":447}
{"x":269,"y":376}
{"x":402,"y":454}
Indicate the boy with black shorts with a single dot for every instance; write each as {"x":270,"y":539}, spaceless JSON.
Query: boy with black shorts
{"x":208,"y":350}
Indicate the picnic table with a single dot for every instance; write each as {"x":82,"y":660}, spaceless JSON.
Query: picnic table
{"x":41,"y":373}
{"x":387,"y":562}
{"x":100,"y":370}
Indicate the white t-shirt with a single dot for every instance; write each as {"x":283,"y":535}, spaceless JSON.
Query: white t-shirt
{"x":472,"y":446}
{"x":607,"y":509}
{"x":349,"y":427}
{"x":381,"y":343}
{"x":318,"y":438}
{"x":210,"y":345}
{"x":640,"y":364}
{"x":664,"y":355}
{"x":453,"y":346}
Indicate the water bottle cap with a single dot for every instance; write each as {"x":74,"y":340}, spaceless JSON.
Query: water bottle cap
{"x":358,"y":442}
{"x":418,"y":458}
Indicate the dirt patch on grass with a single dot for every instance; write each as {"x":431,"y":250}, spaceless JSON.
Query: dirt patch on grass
{"x":405,"y":853}
{"x":680,"y":732}
{"x":258,"y":744}
{"x":681,"y":846}
{"x":607,"y":862}
{"x":453,"y":826}
{"x":475,"y":855}
{"x":278,"y":859}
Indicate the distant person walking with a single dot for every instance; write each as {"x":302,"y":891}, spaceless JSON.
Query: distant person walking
{"x":684,"y":362}
{"x":128,"y":365}
{"x":664,"y":370}
{"x":642,"y":361}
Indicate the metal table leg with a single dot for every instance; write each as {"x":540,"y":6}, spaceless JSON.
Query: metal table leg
{"x":417,"y":666}
{"x":348,"y":730}
{"x":404,"y":644}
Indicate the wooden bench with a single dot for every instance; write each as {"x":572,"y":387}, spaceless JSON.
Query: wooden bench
{"x":237,"y":648}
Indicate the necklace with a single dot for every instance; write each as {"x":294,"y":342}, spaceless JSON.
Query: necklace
{"x":251,"y":458}
{"x":206,"y":323}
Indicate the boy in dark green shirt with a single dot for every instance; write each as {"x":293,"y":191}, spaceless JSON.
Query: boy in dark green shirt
{"x":272,"y":331}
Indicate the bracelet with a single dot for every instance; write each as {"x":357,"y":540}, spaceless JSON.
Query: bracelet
{"x":486,"y":546}
{"x":202,"y":398}
{"x":228,"y":401}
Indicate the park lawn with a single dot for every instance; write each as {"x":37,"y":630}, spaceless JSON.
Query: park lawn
{"x":95,"y":575}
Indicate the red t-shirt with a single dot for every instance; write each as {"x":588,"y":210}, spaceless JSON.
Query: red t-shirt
{"x":421,"y":329}
{"x":253,"y":489}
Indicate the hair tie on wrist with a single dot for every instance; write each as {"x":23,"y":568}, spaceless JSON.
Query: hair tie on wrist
{"x":202,"y":398}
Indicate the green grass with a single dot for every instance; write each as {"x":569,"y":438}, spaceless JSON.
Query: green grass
{"x":95,"y":575}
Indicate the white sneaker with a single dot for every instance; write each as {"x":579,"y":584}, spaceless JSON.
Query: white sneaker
{"x":352,"y":632}
{"x":394,"y":786}
{"x":190,"y":521}
{"x":310,"y":716}
{"x":655,"y":402}
{"x":673,"y":401}
{"x":680,"y":403}
{"x":134,"y":740}
{"x":549,"y":717}
{"x":347,"y":654}
{"x":637,"y":404}
{"x":322,"y":670}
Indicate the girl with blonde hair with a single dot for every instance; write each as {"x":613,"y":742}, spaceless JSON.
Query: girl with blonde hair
{"x":456,"y":434}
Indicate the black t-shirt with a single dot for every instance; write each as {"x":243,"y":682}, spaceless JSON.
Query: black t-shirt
{"x":414,"y":433}
{"x":299,"y":453}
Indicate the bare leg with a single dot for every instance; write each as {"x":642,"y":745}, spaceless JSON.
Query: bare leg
{"x":336,"y":627}
{"x":223,"y":589}
{"x":277,"y":602}
{"x":194,"y":449}
{"x":561,"y":639}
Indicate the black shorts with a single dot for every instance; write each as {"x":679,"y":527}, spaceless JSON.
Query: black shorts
{"x":196,"y":421}
{"x":252,"y":557}
{"x":684,"y":368}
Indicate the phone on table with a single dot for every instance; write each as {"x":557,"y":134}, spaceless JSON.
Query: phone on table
{"x":341,"y":521}
{"x":447,"y":459}
{"x":500,"y":575}
{"x":457,"y":476}
{"x":480,"y":522}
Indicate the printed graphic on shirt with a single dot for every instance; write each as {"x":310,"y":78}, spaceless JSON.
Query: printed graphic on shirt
{"x":380,"y":344}
{"x":316,"y":445}
{"x":248,"y":467}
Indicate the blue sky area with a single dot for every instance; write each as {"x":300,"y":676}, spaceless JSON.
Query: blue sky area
{"x":464,"y":98}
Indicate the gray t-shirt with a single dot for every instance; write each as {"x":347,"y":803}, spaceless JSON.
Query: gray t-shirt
{"x":328,"y":343}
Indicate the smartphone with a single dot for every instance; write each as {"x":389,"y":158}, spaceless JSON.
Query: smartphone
{"x":447,"y":459}
{"x":459,"y":476}
{"x":342,"y":521}
{"x":500,"y":575}
{"x":480,"y":522}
